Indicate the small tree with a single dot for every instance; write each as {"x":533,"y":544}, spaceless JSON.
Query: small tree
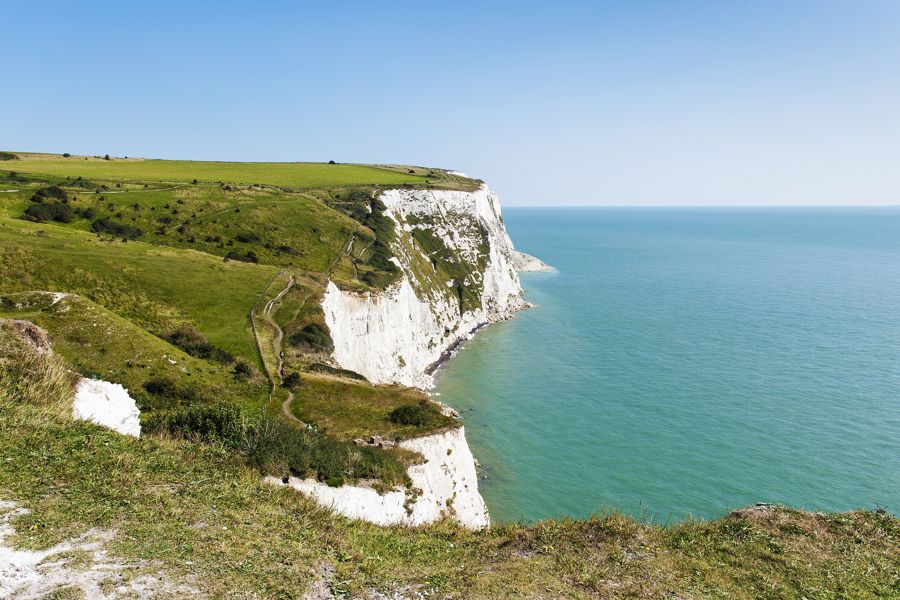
{"x":107,"y":157}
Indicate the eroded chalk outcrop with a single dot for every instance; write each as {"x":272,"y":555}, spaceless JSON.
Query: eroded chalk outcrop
{"x":444,"y":485}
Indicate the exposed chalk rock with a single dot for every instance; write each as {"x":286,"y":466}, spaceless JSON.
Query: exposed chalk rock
{"x":447,"y":481}
{"x":395,"y":335}
{"x":107,"y":404}
{"x":524,"y":263}
{"x":459,"y":271}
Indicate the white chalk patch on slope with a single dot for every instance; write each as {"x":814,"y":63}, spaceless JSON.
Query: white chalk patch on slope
{"x":107,"y":404}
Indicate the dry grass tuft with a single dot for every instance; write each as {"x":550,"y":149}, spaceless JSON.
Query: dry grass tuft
{"x":31,"y":377}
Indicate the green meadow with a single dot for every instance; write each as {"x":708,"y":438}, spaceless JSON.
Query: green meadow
{"x":298,"y":175}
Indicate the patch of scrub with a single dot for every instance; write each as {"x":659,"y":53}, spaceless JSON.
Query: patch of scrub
{"x":107,"y":404}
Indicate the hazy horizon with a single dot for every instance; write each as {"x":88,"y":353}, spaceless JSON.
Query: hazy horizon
{"x":599,"y":103}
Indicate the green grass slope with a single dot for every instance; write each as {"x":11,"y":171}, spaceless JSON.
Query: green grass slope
{"x":200,"y":517}
{"x":296,"y":175}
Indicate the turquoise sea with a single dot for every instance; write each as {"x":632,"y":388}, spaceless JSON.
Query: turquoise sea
{"x":687,"y":361}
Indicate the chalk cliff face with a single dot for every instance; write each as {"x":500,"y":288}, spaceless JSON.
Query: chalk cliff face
{"x":458,"y":272}
{"x":446,"y":484}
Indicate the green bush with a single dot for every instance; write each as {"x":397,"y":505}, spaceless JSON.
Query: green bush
{"x":8,"y":156}
{"x":167,"y":392}
{"x":53,"y":192}
{"x":242,"y":370}
{"x":206,"y":422}
{"x":247,"y":238}
{"x":41,"y":213}
{"x":420,"y":415}
{"x":248,"y":257}
{"x":115,"y":228}
{"x":318,"y":367}
{"x":313,"y":337}
{"x":195,"y":343}
{"x":292,"y":380}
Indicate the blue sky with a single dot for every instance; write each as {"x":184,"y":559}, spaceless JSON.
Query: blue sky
{"x":562,"y":103}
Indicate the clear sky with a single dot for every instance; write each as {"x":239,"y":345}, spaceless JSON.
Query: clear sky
{"x":552,"y":103}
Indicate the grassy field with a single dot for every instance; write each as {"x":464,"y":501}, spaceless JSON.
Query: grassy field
{"x":193,"y":515}
{"x":292,"y":175}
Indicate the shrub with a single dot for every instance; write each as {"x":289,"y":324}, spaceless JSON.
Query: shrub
{"x":318,"y":367}
{"x":292,"y":380}
{"x":41,"y":213}
{"x":242,"y":370}
{"x":170,"y":392}
{"x":220,"y":423}
{"x":287,"y":250}
{"x":247,"y":238}
{"x":66,"y":155}
{"x":331,"y":162}
{"x":53,"y":192}
{"x":250,"y":256}
{"x":421,"y":414}
{"x":107,"y":157}
{"x":8,"y":156}
{"x":117,"y":229}
{"x":313,"y":336}
{"x":195,"y":343}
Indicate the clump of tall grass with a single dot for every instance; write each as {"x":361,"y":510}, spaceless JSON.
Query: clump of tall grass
{"x":32,"y":378}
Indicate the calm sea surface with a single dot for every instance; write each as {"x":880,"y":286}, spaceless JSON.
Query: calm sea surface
{"x":689,"y":361}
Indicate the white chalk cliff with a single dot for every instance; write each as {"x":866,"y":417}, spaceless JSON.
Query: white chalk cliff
{"x":396,"y":335}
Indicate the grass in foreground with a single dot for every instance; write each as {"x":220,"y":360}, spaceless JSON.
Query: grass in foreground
{"x":195,"y":513}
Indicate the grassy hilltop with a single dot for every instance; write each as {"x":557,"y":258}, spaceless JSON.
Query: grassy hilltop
{"x":184,"y":281}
